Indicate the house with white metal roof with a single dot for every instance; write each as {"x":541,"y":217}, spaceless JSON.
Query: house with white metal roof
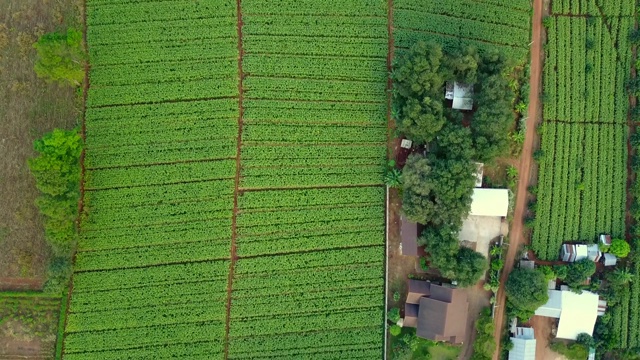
{"x":524,"y":345}
{"x":577,"y":313}
{"x":460,"y":94}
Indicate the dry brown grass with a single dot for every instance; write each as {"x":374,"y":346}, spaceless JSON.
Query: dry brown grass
{"x":29,"y":107}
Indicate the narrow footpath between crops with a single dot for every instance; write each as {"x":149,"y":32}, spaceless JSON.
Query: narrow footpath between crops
{"x":524,"y":169}
{"x":234,"y":230}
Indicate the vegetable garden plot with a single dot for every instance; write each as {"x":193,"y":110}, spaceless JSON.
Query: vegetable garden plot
{"x":486,"y":25}
{"x":152,"y":267}
{"x":582,"y":178}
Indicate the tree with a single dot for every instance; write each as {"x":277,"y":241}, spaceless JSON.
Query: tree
{"x":468,"y":267}
{"x":437,"y":192}
{"x":619,"y":277}
{"x":418,"y":84}
{"x":526,"y":290}
{"x":393,"y":315}
{"x":57,"y":173}
{"x":395,"y":330}
{"x":60,"y":57}
{"x":578,"y":272}
{"x":619,"y":248}
{"x":586,"y":339}
{"x":561,"y":271}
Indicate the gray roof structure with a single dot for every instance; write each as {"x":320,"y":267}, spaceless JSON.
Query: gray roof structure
{"x":443,"y":315}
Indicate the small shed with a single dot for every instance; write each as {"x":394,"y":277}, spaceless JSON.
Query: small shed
{"x":593,"y":252}
{"x":527,"y":264}
{"x":605,"y":239}
{"x":574,"y":252}
{"x":524,"y":345}
{"x":489,"y":202}
{"x":609,"y":259}
{"x":409,"y":236}
{"x":406,"y":144}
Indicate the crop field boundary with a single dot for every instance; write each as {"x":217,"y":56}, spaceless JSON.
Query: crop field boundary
{"x":236,"y":190}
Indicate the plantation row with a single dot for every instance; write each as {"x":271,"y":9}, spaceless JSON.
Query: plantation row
{"x":151,"y":271}
{"x":581,"y":185}
{"x":594,"y":7}
{"x":582,"y":178}
{"x":152,"y":268}
{"x":574,"y":83}
{"x":314,"y":118}
{"x":486,"y":25}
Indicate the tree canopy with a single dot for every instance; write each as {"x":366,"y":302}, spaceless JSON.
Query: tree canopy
{"x":578,"y":272}
{"x":60,"y":57}
{"x":526,"y":291}
{"x":437,"y":192}
{"x":56,"y":170}
{"x":619,"y":248}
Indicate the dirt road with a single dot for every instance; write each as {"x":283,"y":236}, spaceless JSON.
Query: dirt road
{"x":524,"y":169}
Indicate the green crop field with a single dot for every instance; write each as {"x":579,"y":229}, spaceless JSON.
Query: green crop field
{"x":582,"y":178}
{"x":484,"y":24}
{"x":196,"y":245}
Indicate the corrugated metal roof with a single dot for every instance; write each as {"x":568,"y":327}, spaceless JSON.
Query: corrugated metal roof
{"x":523,"y":349}
{"x":577,"y":312}
{"x":490,"y":202}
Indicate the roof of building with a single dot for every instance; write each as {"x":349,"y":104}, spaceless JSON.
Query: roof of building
{"x":574,"y":252}
{"x":409,"y":235}
{"x":593,"y":252}
{"x":609,"y":259}
{"x":461,"y":95}
{"x":416,"y":290}
{"x":605,"y":239}
{"x":577,"y":312}
{"x":443,"y":315}
{"x":592,"y":354}
{"x":524,"y":345}
{"x":490,"y":202}
{"x":527,"y":264}
{"x":410,"y":315}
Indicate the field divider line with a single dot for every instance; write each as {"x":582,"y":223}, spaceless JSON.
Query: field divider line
{"x":236,"y":190}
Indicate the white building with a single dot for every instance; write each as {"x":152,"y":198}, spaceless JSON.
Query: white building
{"x":485,"y":222}
{"x":489,"y":202}
{"x":577,"y":313}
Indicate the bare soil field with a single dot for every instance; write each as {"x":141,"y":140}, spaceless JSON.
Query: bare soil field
{"x":29,"y":107}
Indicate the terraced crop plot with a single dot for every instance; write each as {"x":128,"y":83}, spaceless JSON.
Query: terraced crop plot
{"x":197,"y":245}
{"x":484,"y":24}
{"x":582,"y":181}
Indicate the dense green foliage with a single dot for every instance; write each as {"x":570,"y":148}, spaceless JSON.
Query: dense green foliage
{"x":152,"y":270}
{"x":574,"y":351}
{"x":61,"y":57}
{"x":578,"y":272}
{"x":485,"y":344}
{"x":582,"y":177}
{"x":487,"y":25}
{"x":437,"y":187}
{"x":526,"y":291}
{"x":620,"y":248}
{"x":56,"y":170}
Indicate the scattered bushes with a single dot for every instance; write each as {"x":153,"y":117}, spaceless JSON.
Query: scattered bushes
{"x":60,"y":57}
{"x":573,"y":351}
{"x":484,"y":345}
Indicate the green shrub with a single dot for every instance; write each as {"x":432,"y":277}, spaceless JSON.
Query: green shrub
{"x":395,"y":330}
{"x":573,"y":351}
{"x":60,"y":57}
{"x":394,"y":315}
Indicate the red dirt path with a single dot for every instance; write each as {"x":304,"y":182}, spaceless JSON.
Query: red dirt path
{"x":524,"y":169}
{"x":20,"y":284}
{"x":236,"y":191}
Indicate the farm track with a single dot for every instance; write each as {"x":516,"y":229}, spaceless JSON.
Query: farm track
{"x":236,"y":191}
{"x":524,"y":169}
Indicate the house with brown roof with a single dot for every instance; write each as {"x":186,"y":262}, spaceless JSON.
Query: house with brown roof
{"x":438,"y":313}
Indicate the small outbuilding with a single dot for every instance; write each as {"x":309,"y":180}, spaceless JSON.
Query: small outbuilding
{"x":409,"y":236}
{"x":527,"y":264}
{"x":605,"y":239}
{"x":574,"y":252}
{"x":524,"y":345}
{"x":609,"y":259}
{"x":460,"y":94}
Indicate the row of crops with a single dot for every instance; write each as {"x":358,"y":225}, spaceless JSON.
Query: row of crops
{"x":151,"y":276}
{"x":615,"y":8}
{"x":309,"y":280}
{"x":625,"y":323}
{"x":581,"y":184}
{"x":582,"y":178}
{"x":151,"y":272}
{"x":573,"y":89}
{"x":486,"y":24}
